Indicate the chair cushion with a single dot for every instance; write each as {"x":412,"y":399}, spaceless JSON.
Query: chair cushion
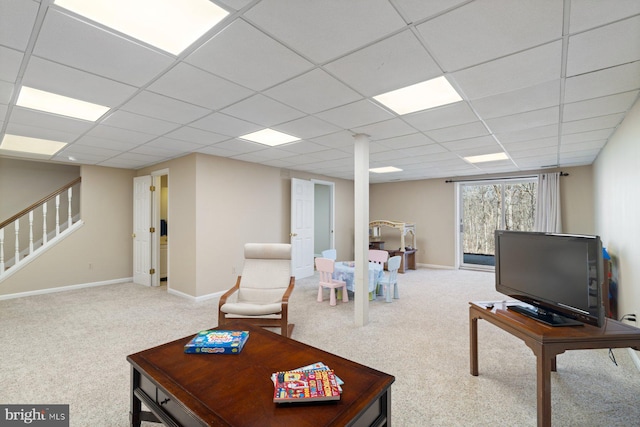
{"x":245,"y":309}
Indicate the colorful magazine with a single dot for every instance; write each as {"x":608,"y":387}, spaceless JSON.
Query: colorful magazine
{"x":217,"y":342}
{"x":305,"y":386}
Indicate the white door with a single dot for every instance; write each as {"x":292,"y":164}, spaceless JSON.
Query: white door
{"x":142,"y":230}
{"x":301,"y":228}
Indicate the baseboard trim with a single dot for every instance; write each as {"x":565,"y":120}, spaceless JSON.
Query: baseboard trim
{"x":435,"y":266}
{"x":65,"y":288}
{"x":195,"y":299}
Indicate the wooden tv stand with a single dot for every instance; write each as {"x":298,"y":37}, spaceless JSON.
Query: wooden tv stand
{"x":547,"y":342}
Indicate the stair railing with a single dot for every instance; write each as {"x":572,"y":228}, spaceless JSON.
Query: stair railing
{"x":22,"y":245}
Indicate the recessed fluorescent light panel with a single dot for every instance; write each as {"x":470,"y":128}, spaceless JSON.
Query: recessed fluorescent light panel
{"x":420,"y":96}
{"x":58,"y":104}
{"x":171,"y":25}
{"x":487,"y":158}
{"x":385,"y":169}
{"x":31,"y":145}
{"x":269,"y":137}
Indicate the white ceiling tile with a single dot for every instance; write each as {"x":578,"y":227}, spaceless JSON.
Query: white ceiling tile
{"x":16,"y":21}
{"x":594,"y":123}
{"x":225,"y":125}
{"x":39,"y":119}
{"x":101,"y":152}
{"x":524,"y":69}
{"x":107,"y":143}
{"x":161,"y":107}
{"x":519,"y":101}
{"x":618,"y":103}
{"x":467,"y":130}
{"x":592,"y":50}
{"x":390,"y":64}
{"x":175,"y":145}
{"x":126,"y":120}
{"x":356,"y":114}
{"x":10,"y":61}
{"x":69,"y":41}
{"x":622,"y":78}
{"x":537,"y":162}
{"x":240,"y":53}
{"x":528,"y":134}
{"x":479,"y":30}
{"x":239,"y":146}
{"x":62,"y":80}
{"x":307,"y":127}
{"x":529,"y":119}
{"x":514,"y":147}
{"x":441,"y":117}
{"x":541,"y":151}
{"x":586,"y":14}
{"x":313,"y":92}
{"x":52,"y":131}
{"x":407,"y":141}
{"x":385,"y":129}
{"x":119,"y":134}
{"x":583,"y":146}
{"x":198,"y":136}
{"x":263,"y":111}
{"x":198,"y":87}
{"x":322,"y":33}
{"x":593,"y":135}
{"x":417,"y":10}
{"x":465,"y":145}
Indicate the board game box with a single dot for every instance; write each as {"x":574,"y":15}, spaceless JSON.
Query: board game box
{"x":217,"y":342}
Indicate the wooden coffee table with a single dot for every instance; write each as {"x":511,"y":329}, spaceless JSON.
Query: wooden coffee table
{"x":236,"y":390}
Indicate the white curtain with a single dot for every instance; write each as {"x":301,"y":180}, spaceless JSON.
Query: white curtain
{"x":548,"y":204}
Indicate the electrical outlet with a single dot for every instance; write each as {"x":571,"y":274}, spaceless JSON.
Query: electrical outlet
{"x":90,"y":266}
{"x":233,"y":271}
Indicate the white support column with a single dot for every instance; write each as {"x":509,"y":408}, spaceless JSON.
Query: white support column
{"x":361,"y":223}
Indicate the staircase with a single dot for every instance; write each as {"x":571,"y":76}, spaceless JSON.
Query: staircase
{"x":36,"y":228}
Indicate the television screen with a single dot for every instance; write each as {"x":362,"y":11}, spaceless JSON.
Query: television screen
{"x":560,"y":275}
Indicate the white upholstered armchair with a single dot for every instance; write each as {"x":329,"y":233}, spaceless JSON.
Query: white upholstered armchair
{"x":261,"y":293}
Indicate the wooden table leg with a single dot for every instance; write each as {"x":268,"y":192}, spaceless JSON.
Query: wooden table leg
{"x":136,"y":405}
{"x":544,"y":364}
{"x":473,"y":342}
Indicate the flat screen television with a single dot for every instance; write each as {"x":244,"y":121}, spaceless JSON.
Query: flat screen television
{"x":558,"y":276}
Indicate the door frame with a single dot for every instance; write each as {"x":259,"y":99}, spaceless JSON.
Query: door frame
{"x":156,"y":199}
{"x":332,"y":209}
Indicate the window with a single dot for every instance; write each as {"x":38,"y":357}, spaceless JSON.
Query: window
{"x":485,"y":206}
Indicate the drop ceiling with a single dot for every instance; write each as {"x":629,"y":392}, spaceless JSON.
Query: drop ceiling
{"x":545,"y":81}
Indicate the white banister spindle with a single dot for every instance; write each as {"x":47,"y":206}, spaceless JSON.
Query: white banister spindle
{"x":57,"y":214}
{"x":1,"y":250}
{"x":17,"y":226}
{"x":30,"y":232}
{"x":69,"y":196}
{"x":44,"y":223}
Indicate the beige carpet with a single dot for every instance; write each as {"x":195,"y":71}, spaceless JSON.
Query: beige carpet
{"x":71,"y":347}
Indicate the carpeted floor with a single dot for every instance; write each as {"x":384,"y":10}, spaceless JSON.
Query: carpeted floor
{"x":71,"y":347}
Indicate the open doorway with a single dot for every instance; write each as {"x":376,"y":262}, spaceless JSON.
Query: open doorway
{"x":323,"y":217}
{"x":160,"y":220}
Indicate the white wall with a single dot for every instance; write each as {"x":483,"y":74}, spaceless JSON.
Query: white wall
{"x":617,"y":208}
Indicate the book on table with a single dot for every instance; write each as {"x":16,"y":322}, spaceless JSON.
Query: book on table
{"x":305,"y":386}
{"x":217,"y":342}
